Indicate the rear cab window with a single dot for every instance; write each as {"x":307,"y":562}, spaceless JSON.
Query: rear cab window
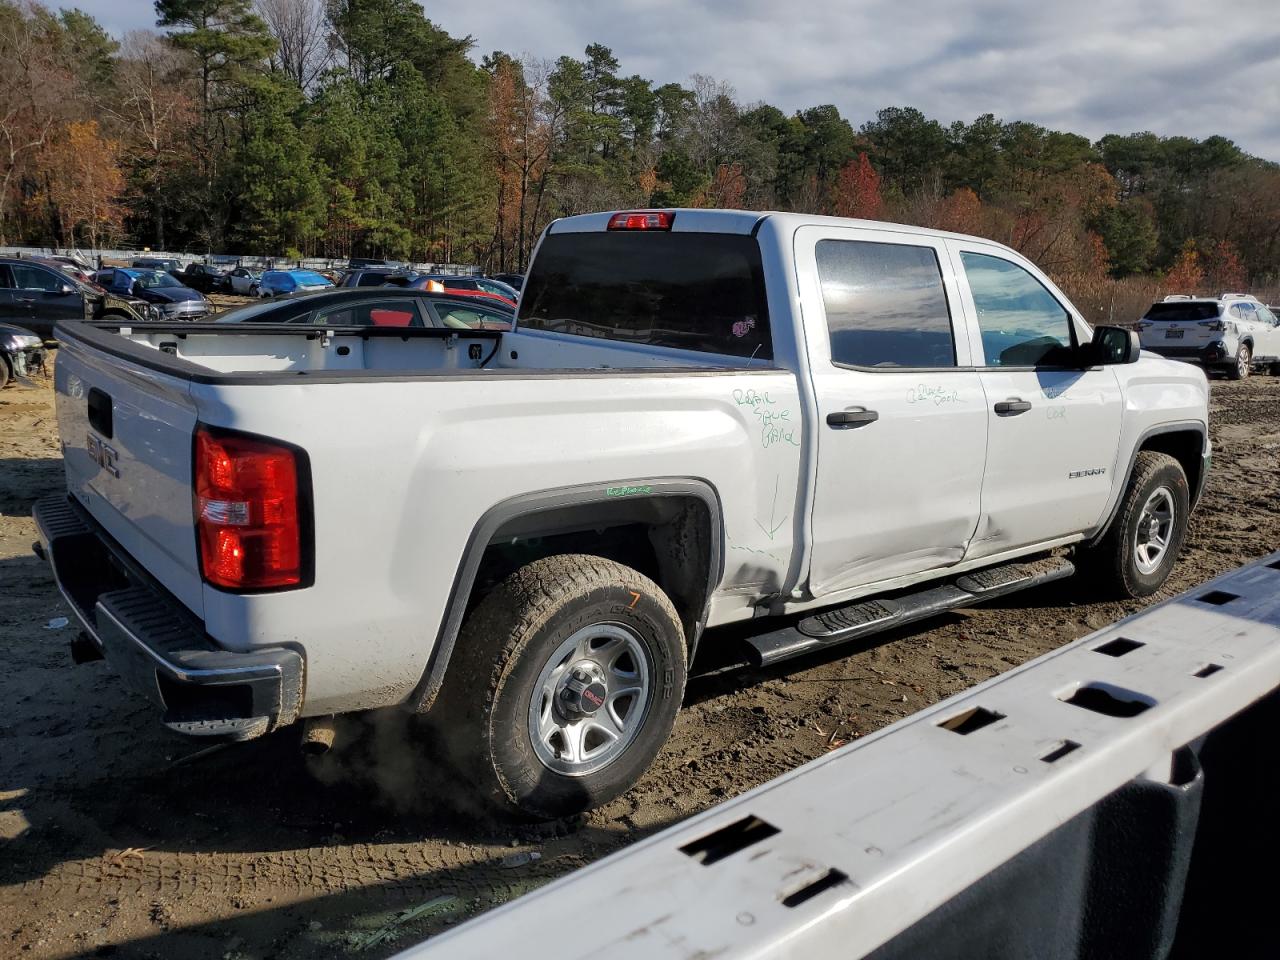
{"x":690,"y":291}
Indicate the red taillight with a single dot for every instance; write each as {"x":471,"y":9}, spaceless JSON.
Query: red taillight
{"x":642,"y":220}
{"x":248,"y":521}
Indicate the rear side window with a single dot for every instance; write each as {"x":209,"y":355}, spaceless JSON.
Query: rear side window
{"x":6,"y":278}
{"x":694,"y":291}
{"x":371,"y":313}
{"x":371,"y":280}
{"x":1182,"y":312}
{"x":885,"y":305}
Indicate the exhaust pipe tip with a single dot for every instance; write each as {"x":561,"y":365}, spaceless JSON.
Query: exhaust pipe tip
{"x":317,"y":736}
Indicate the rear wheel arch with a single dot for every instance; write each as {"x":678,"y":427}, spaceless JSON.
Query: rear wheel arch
{"x":669,"y":529}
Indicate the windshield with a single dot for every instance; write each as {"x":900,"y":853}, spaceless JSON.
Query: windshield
{"x":1182,"y":311}
{"x":307,"y":277}
{"x":695,"y":291}
{"x":150,"y":279}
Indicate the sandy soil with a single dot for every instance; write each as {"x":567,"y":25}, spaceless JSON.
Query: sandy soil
{"x":116,"y":840}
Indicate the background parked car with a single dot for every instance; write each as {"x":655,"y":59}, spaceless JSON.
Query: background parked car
{"x":169,"y":265}
{"x":173,"y":300}
{"x":377,"y":277}
{"x":37,"y":296}
{"x":202,"y":277}
{"x":515,"y":280}
{"x":245,"y":281}
{"x":1233,"y":332}
{"x":435,"y":285}
{"x":377,"y":307}
{"x":480,"y":284}
{"x":21,"y":351}
{"x":281,"y":283}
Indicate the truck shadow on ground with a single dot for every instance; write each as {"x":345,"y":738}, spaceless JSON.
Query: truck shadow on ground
{"x":26,"y":480}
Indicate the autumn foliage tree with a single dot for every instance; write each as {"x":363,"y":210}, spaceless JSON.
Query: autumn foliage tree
{"x":83,"y":184}
{"x":857,"y":191}
{"x":1187,"y":274}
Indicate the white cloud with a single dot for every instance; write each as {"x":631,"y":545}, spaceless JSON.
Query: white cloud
{"x":1091,"y":66}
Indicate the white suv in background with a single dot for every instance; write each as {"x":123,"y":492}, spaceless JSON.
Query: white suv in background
{"x":1233,"y":332}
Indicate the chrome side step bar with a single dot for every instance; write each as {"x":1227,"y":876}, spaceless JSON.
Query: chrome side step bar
{"x":861,"y":619}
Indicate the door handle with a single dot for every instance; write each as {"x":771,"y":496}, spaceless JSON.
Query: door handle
{"x":1012,"y":407}
{"x":851,"y":418}
{"x":26,"y":299}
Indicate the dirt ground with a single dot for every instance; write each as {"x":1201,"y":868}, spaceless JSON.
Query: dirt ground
{"x":118,"y":839}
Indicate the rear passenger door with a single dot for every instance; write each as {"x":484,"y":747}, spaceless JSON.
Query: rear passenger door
{"x":1054,"y":425}
{"x":902,"y":420}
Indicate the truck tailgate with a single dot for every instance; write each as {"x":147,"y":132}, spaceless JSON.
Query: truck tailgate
{"x":126,"y":442}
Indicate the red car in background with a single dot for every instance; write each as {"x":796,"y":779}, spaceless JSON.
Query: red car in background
{"x":442,"y":284}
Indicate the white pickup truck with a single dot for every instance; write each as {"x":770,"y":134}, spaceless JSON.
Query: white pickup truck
{"x":701,"y":417}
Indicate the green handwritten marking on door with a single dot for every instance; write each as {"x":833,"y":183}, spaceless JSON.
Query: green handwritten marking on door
{"x":626,"y":491}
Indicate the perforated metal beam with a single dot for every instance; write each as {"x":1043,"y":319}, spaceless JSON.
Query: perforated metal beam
{"x":845,"y":854}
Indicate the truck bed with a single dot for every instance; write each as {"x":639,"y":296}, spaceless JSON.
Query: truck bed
{"x":410,"y":442}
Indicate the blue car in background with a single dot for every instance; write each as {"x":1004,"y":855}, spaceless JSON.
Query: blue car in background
{"x":281,"y":283}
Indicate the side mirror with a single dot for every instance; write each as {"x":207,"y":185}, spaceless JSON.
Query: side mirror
{"x":135,"y":287}
{"x":66,"y":288}
{"x":1115,"y":345}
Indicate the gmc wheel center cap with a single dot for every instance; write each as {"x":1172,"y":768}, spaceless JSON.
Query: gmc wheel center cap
{"x":583,"y":692}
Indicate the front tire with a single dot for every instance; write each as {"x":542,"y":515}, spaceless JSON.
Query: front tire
{"x":1138,"y":552}
{"x":1244,"y":363}
{"x":565,"y":683}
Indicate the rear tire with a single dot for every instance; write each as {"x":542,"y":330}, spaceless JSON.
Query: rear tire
{"x":1244,"y":363}
{"x":1138,"y":551}
{"x":5,"y":375}
{"x":564,"y":684}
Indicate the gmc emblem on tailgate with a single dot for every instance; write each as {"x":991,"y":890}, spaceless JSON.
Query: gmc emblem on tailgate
{"x":103,"y":455}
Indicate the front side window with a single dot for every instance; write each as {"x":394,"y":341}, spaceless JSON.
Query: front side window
{"x":33,"y":278}
{"x":692,"y":291}
{"x":885,"y":305}
{"x":1265,"y":315}
{"x":469,"y":318}
{"x":1022,"y":323}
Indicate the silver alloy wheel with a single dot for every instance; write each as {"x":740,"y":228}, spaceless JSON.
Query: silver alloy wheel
{"x":1243,"y":360}
{"x":1155,"y":530}
{"x":590,"y":700}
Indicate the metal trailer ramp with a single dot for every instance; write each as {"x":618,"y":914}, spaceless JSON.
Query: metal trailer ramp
{"x":1116,"y":798}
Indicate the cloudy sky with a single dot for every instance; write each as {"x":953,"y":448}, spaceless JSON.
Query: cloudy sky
{"x":1193,"y":67}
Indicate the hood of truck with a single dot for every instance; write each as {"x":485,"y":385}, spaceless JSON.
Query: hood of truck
{"x":126,"y":435}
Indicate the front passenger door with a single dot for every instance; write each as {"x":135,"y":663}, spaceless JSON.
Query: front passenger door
{"x":1054,"y":427}
{"x":46,"y":295}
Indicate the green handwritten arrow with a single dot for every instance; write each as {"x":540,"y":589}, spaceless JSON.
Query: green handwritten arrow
{"x":773,"y":528}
